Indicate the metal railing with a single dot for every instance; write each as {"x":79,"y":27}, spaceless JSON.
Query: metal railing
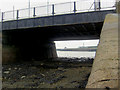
{"x":56,"y":9}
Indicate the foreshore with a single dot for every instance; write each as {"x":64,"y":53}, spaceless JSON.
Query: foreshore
{"x":58,"y":73}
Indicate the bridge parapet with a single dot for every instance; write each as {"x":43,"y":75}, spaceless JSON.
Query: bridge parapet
{"x":57,"y":9}
{"x":65,"y":19}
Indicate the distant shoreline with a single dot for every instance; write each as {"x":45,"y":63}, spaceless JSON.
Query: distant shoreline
{"x":90,"y":49}
{"x":77,"y":50}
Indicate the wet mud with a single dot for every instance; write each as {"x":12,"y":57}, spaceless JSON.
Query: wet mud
{"x":57,"y":73}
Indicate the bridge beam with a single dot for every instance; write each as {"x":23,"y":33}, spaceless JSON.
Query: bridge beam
{"x":26,"y":48}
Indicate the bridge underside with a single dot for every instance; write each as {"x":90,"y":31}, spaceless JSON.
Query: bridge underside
{"x":37,"y":43}
{"x":83,"y":31}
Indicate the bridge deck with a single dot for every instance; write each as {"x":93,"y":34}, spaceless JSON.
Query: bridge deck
{"x":78,"y":26}
{"x":65,"y":19}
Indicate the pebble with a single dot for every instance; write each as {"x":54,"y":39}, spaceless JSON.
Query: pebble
{"x":42,"y":64}
{"x":15,"y":68}
{"x":9,"y":68}
{"x":6,"y":72}
{"x":23,"y":77}
{"x":19,"y":68}
{"x":43,"y":75}
{"x":59,"y":68}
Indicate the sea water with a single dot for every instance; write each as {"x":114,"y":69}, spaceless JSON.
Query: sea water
{"x":77,"y":54}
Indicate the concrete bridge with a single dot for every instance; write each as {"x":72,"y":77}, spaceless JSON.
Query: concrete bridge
{"x":82,"y":26}
{"x":33,"y":37}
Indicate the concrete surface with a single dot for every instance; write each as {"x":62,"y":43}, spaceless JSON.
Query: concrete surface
{"x":118,"y":6}
{"x":104,"y":72}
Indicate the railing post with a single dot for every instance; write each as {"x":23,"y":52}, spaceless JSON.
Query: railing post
{"x":94,"y":6}
{"x":74,"y":7}
{"x":53,"y":9}
{"x":97,"y":5}
{"x":34,"y":12}
{"x":17,"y":14}
{"x":2,"y":16}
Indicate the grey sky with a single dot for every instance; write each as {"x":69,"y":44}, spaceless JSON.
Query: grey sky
{"x":6,"y":5}
{"x":76,"y":43}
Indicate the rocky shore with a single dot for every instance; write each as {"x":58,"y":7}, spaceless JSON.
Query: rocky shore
{"x":57,"y":73}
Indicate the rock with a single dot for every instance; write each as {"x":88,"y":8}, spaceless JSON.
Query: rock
{"x":19,"y":68}
{"x":15,"y":68}
{"x":43,"y":75}
{"x":60,"y":68}
{"x":9,"y":68}
{"x":23,"y":77}
{"x":42,"y":64}
{"x":6,"y":72}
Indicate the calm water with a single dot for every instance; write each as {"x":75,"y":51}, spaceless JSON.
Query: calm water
{"x":75,"y":54}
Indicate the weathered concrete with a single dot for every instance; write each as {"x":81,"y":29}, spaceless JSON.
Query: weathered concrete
{"x":118,"y":6}
{"x":104,"y":72}
{"x":38,"y":52}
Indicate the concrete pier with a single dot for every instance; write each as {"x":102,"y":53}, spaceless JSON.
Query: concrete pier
{"x":25,"y":47}
{"x":105,"y":67}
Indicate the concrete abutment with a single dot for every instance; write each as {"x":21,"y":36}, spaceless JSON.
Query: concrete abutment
{"x":105,"y":68}
{"x":26,"y":47}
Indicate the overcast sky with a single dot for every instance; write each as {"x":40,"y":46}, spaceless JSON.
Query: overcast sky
{"x":76,"y":43}
{"x":7,"y":5}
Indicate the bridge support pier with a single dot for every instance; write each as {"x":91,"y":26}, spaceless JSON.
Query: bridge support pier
{"x":18,"y":49}
{"x":105,"y":68}
{"x":44,"y":50}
